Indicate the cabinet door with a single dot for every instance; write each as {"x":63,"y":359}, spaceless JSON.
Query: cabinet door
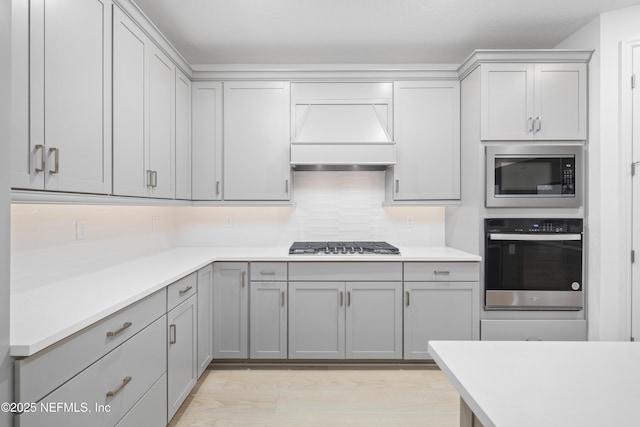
{"x":374,"y":320}
{"x":268,"y":331}
{"x":130,"y":56}
{"x":256,"y":141}
{"x":438,"y":311}
{"x":427,"y":132}
{"x":183,"y":136}
{"x":182,"y":367}
{"x":70,"y":77}
{"x":561,"y":101}
{"x":507,"y":101}
{"x":205,"y":317}
{"x":161,"y":126}
{"x":230,"y":310}
{"x":316,"y":320}
{"x":206,"y":170}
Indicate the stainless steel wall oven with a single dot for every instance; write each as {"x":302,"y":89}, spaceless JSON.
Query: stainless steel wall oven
{"x":533,"y":264}
{"x":534,"y":176}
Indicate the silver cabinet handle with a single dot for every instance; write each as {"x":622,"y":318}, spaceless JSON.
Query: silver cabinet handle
{"x":341,"y":298}
{"x":397,"y":185}
{"x":268,"y":272}
{"x":530,"y":124}
{"x":283,"y":298}
{"x":154,"y":176}
{"x":56,"y":162}
{"x":114,"y":393}
{"x":244,"y":275}
{"x":286,"y":186}
{"x":43,"y":160}
{"x":125,"y":326}
{"x":217,"y":187}
{"x":538,"y":123}
{"x":348,"y":298}
{"x":441,"y":272}
{"x":185,"y":290}
{"x":408,"y":299}
{"x":173,"y":334}
{"x":149,"y":182}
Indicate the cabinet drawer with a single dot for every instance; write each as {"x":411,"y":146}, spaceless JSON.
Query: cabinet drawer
{"x":533,"y":330}
{"x":115,"y":382}
{"x":441,"y":272}
{"x":181,"y":290}
{"x":151,"y":410}
{"x":38,"y":375}
{"x":268,"y":271}
{"x":345,"y":271}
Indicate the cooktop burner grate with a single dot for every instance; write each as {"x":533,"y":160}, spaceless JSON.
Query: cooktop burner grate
{"x":342,"y":248}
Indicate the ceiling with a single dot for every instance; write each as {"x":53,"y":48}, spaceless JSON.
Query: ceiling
{"x":364,"y":31}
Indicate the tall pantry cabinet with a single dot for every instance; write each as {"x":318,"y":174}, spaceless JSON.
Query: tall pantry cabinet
{"x":62,"y":96}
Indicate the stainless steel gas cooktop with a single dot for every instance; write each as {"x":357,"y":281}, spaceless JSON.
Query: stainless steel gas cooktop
{"x":342,"y":248}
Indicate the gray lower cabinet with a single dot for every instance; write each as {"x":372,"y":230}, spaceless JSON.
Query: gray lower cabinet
{"x":205,"y":317}
{"x":103,"y":393}
{"x":438,"y":311}
{"x":268,"y":306}
{"x":316,"y":320}
{"x":149,"y":411}
{"x":230,"y":310}
{"x":182,"y":368}
{"x":352,"y":320}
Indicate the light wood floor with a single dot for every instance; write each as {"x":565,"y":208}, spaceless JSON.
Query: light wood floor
{"x":321,"y":397}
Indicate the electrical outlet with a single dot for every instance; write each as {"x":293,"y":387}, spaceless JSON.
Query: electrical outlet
{"x":81,"y":229}
{"x":409,"y":222}
{"x":155,"y":222}
{"x":229,"y":222}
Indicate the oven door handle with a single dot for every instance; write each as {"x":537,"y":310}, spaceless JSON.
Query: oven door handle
{"x":535,"y":237}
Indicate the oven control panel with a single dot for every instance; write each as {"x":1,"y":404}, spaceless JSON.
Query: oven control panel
{"x":533,"y":225}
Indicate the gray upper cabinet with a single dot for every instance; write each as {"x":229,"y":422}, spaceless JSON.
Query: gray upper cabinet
{"x":62,"y":140}
{"x":256,"y":141}
{"x":143,"y":114}
{"x":522,"y":101}
{"x":206,"y":172}
{"x":427,"y":134}
{"x":183,"y":135}
{"x":230,"y":310}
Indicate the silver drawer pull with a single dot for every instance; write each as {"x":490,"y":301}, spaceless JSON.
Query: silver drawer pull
{"x":43,"y":160}
{"x":341,"y":298}
{"x":114,"y":393}
{"x":268,"y":272}
{"x":408,"y":299}
{"x":173,"y":332}
{"x":441,"y":272}
{"x":56,"y":162}
{"x":244,"y":278}
{"x":185,"y":290}
{"x":348,"y":298}
{"x":125,"y":325}
{"x":283,"y":298}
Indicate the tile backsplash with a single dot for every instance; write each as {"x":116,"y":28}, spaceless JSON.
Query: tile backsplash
{"x":328,"y":206}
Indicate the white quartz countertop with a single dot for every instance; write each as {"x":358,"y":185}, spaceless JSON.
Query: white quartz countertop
{"x":527,"y":384}
{"x":45,"y":315}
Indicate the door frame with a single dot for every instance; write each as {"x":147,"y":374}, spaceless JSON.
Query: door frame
{"x":626,"y":181}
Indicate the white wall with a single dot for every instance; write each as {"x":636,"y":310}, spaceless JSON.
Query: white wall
{"x":328,"y":206}
{"x":6,"y":364}
{"x":44,"y":246}
{"x":609,"y":265}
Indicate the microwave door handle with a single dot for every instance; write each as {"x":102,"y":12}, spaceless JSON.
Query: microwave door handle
{"x":534,"y":237}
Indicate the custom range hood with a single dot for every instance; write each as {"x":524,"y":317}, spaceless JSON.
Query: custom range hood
{"x":342,"y":126}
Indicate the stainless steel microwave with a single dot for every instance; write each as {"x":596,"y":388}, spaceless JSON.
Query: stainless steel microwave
{"x":535,"y":176}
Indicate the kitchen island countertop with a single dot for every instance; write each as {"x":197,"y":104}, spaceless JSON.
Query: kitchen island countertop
{"x":50,"y":313}
{"x":544,"y":383}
